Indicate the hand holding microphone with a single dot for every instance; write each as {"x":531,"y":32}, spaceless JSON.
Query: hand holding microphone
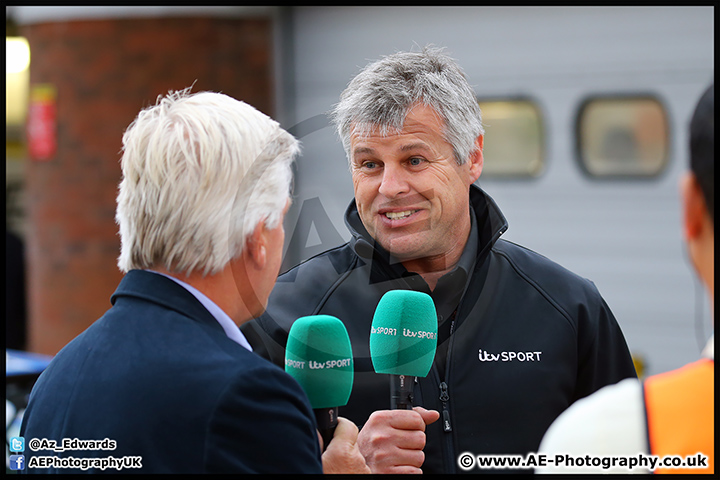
{"x":403,"y":340}
{"x":343,"y":454}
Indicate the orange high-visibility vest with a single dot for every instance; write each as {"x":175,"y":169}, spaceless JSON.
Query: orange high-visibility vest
{"x":680,"y":414}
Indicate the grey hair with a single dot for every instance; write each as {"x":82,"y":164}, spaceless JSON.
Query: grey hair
{"x":382,"y":94}
{"x":200,"y":172}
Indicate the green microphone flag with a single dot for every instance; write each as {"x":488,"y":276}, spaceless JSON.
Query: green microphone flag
{"x":403,"y":340}
{"x":319,"y":356}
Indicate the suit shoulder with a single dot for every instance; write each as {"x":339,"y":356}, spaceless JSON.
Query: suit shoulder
{"x":262,"y":402}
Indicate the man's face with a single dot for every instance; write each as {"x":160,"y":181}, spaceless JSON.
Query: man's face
{"x":411,"y":194}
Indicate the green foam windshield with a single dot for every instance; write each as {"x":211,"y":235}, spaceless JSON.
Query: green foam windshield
{"x":403,"y":336}
{"x":319,"y":356}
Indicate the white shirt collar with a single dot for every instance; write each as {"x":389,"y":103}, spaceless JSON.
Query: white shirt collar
{"x":230,"y":328}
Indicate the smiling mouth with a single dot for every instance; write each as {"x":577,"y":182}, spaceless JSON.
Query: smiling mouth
{"x":399,"y":215}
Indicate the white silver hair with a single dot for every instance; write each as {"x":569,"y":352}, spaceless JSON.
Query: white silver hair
{"x":382,"y":94}
{"x":200,"y":172}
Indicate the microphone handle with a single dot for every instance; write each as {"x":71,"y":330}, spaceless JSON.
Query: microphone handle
{"x":327,"y":420}
{"x":401,"y":392}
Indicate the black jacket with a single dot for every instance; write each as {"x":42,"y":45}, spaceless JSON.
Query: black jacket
{"x":529,"y":338}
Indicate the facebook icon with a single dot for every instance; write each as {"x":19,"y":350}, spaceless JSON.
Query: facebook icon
{"x":17,"y":462}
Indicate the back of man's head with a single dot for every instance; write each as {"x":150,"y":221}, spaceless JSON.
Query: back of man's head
{"x":200,"y":171}
{"x":702,"y":147}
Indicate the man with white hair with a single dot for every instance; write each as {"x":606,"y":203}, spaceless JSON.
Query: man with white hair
{"x":164,"y":381}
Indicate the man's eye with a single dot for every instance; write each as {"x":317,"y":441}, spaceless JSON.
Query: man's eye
{"x":369,"y":165}
{"x":415,"y":161}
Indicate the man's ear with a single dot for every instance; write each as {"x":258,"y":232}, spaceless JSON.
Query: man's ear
{"x":694,"y":207}
{"x":255,"y":246}
{"x":476,"y":160}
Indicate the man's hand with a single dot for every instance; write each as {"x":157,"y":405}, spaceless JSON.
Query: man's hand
{"x":342,"y":454}
{"x":392,"y":440}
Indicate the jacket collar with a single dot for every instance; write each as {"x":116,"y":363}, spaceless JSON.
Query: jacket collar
{"x":158,"y":289}
{"x":490,"y":222}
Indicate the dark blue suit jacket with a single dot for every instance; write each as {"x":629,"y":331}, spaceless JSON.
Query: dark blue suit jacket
{"x":158,"y":376}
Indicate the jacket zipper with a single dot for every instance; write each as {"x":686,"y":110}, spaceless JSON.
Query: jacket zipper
{"x":444,"y":397}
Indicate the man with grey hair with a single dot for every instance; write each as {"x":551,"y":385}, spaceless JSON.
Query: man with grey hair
{"x":519,"y":337}
{"x":165,"y":382}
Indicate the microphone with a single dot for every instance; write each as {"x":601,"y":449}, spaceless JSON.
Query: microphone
{"x":319,"y":356}
{"x":403,"y":340}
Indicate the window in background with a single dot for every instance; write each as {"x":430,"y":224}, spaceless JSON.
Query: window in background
{"x":622,"y":137}
{"x":513,"y":143}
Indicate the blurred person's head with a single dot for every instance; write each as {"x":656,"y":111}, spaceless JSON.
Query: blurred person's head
{"x":702,"y":147}
{"x":698,"y":190}
{"x":200,"y":173}
{"x":384,"y":92}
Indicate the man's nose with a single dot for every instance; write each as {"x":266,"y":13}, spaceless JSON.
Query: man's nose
{"x":394,"y":181}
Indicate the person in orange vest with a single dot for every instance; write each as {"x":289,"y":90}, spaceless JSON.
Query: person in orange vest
{"x":664,"y":424}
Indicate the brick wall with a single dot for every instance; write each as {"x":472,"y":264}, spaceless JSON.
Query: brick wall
{"x":104,"y":73}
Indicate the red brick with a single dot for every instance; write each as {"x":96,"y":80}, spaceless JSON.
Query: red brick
{"x":105,"y":71}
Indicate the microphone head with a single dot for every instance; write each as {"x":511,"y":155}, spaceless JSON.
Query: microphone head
{"x":403,"y":337}
{"x":319,"y":356}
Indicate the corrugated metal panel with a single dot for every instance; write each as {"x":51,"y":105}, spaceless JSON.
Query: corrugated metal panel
{"x":623,"y":235}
